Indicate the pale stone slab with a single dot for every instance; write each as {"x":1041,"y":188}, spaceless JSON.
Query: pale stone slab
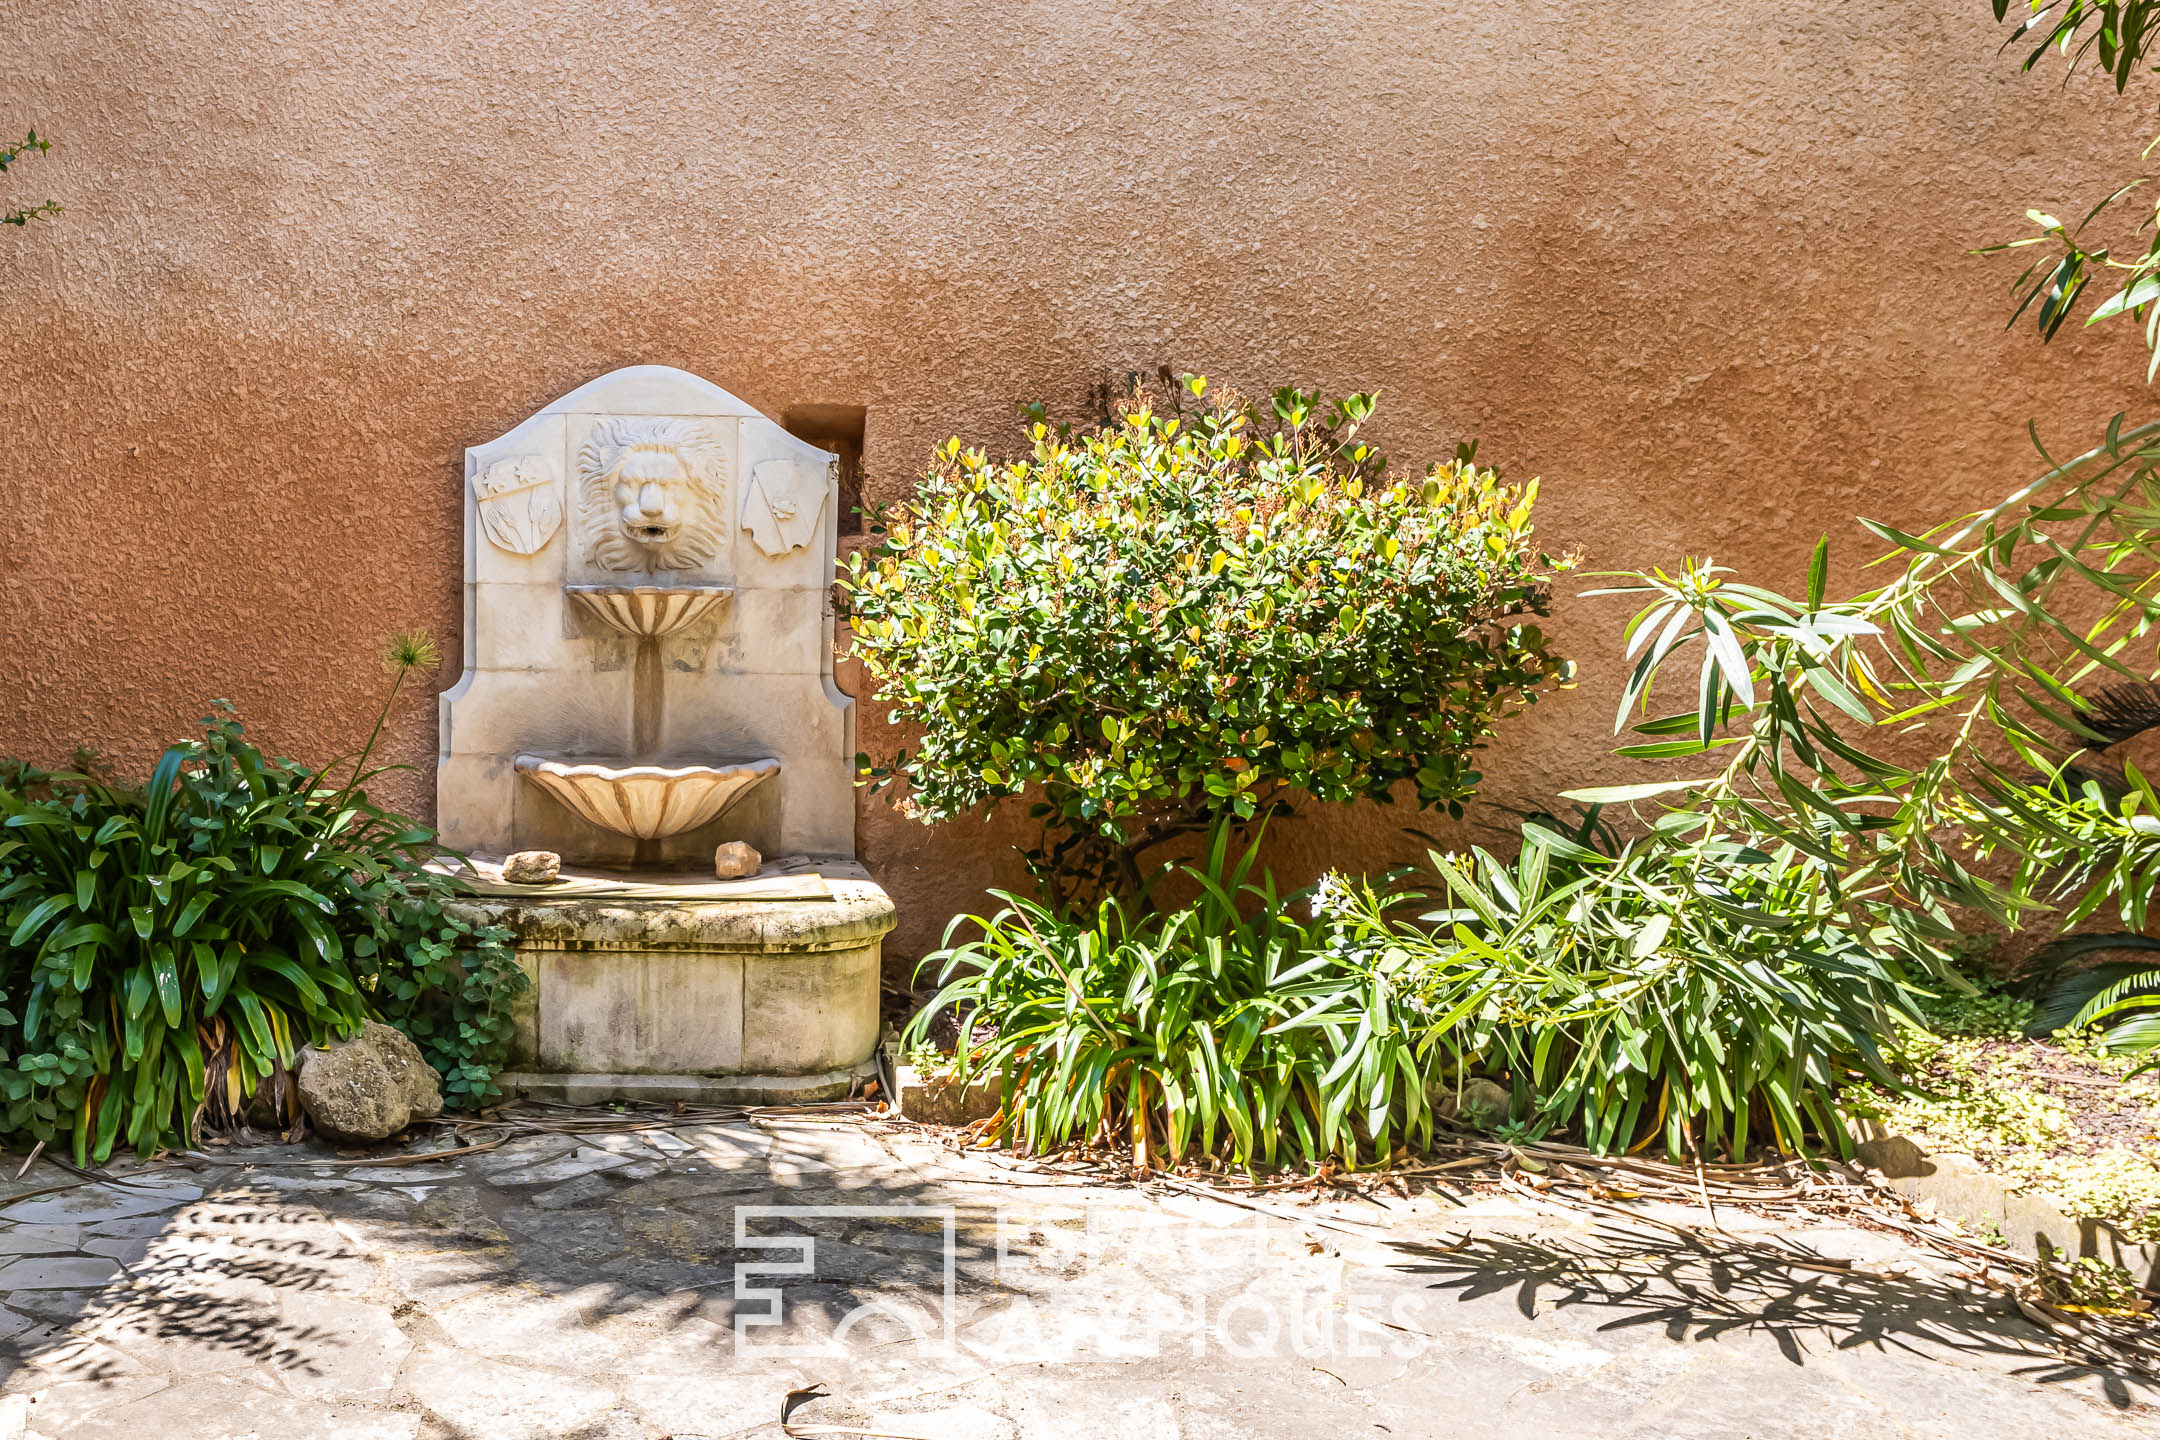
{"x":403,"y":1174}
{"x":66,"y":1408}
{"x":521,"y":1154}
{"x":600,"y":1088}
{"x":93,"y":1203}
{"x":37,"y":1239}
{"x":678,"y":1404}
{"x":521,"y":1324}
{"x":731,"y":1144}
{"x":769,"y":884}
{"x":815,"y":813}
{"x":128,"y":1250}
{"x":960,"y":1422}
{"x":354,"y":1347}
{"x":302,"y":1184}
{"x":520,"y":627}
{"x":58,"y":1272}
{"x":132,"y":1226}
{"x":585,"y":1161}
{"x":439,"y":1278}
{"x":781,"y":633}
{"x":828,"y":1147}
{"x":231,"y":1409}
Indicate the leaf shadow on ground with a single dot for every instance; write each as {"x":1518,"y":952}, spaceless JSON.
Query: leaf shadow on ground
{"x":1697,"y":1293}
{"x":549,"y":1247}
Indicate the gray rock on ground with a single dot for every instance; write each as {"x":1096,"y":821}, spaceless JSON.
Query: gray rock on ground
{"x":273,"y":1107}
{"x":734,"y":860}
{"x":532,"y":867}
{"x":369,"y":1087}
{"x":937,"y":1097}
{"x":1897,"y":1156}
{"x":1484,"y":1105}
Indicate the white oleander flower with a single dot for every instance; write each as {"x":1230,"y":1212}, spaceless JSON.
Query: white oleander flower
{"x":1332,"y":898}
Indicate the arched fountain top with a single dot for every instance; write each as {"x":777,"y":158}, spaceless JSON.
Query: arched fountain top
{"x":650,"y":390}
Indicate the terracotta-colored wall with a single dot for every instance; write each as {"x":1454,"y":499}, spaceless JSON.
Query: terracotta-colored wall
{"x":1699,"y":265}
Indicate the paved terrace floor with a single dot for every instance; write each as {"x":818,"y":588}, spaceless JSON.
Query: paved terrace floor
{"x":613,"y":1286}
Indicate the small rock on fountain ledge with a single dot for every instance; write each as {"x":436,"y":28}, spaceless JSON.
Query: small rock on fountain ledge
{"x":734,"y":860}
{"x":532,"y":867}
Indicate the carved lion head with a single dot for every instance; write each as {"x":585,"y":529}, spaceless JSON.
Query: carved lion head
{"x":652,"y":494}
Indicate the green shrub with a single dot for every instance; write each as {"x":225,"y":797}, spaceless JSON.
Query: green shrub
{"x":167,"y":947}
{"x":1191,"y":610}
{"x":1226,"y":1025}
{"x":1704,"y":992}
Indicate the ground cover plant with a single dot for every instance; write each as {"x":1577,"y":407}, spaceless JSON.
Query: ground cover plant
{"x":1228,"y":1026}
{"x":169,"y":946}
{"x":2057,"y":1115}
{"x":1200,"y":608}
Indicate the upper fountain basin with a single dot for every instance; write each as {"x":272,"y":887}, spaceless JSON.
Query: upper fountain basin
{"x":647,"y":802}
{"x":650,"y":611}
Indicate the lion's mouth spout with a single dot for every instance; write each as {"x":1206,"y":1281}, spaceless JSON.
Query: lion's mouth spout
{"x":652,"y":534}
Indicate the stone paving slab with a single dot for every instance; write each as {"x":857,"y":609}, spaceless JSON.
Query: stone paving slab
{"x":632,"y":1286}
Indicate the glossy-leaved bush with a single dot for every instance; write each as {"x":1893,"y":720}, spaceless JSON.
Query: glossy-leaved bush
{"x":1192,"y":609}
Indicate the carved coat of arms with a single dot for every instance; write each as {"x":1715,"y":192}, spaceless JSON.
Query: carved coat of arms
{"x":521,"y":504}
{"x":783,"y":503}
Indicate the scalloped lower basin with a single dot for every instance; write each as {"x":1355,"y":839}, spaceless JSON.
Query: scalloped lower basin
{"x":647,"y":802}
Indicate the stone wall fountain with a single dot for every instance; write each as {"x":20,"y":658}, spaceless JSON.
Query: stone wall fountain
{"x":648,"y":675}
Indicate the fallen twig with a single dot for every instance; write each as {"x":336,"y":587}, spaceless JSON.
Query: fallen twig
{"x":1348,"y":1227}
{"x":816,"y":1390}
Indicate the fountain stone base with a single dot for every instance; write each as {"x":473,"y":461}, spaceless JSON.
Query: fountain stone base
{"x":762,"y":990}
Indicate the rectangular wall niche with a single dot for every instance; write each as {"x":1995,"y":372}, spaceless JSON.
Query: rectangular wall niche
{"x":838,"y":428}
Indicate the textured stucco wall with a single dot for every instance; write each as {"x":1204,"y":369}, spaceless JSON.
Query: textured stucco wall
{"x":1698,"y":265}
